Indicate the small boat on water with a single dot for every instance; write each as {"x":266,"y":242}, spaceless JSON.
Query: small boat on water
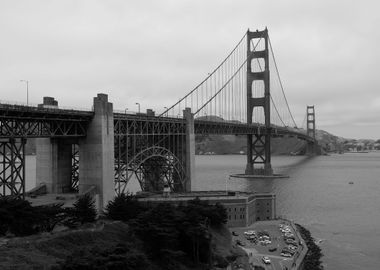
{"x":319,"y":241}
{"x":351,"y":183}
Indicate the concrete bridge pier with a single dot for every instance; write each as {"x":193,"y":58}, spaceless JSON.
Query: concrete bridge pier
{"x":311,"y":149}
{"x":190,"y":149}
{"x":53,"y":159}
{"x":54,"y":164}
{"x":96,"y":153}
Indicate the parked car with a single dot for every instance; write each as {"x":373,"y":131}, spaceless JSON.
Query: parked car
{"x":285,"y":254}
{"x":266,"y":260}
{"x":240,"y":243}
{"x":234,"y":233}
{"x":287,"y":250}
{"x":289,"y":238}
{"x":265,"y":242}
{"x":291,"y":242}
{"x":272,"y":249}
{"x":263,"y":238}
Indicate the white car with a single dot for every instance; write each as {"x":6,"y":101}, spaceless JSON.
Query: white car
{"x":266,"y":260}
{"x":265,"y":242}
{"x":285,"y":254}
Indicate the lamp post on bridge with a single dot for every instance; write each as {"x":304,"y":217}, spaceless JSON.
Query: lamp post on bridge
{"x":125,"y":111}
{"x":27,"y":90}
{"x":166,"y":109}
{"x":138,"y":104}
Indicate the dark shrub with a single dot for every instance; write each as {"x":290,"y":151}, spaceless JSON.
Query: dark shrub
{"x":202,"y":211}
{"x":17,"y":216}
{"x":123,"y":207}
{"x":50,"y":216}
{"x":84,"y":211}
{"x":119,"y":257}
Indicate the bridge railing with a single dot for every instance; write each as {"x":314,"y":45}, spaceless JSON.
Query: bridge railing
{"x":15,"y":104}
{"x":143,"y":114}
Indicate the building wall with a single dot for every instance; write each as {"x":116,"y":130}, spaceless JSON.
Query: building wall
{"x":251,"y":211}
{"x":236,"y":214}
{"x":254,"y":208}
{"x":241,"y":211}
{"x":264,"y":208}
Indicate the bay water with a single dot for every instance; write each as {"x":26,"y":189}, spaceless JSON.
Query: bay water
{"x":336,"y":197}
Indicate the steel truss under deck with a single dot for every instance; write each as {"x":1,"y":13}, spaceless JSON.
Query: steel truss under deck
{"x":152,"y":149}
{"x":12,"y":167}
{"x":74,"y":185}
{"x":23,"y":121}
{"x":20,"y":122}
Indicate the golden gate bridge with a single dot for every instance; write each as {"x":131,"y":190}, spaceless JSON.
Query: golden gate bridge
{"x":103,"y":148}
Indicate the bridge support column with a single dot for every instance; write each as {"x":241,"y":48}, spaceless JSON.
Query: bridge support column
{"x":258,"y":145}
{"x":249,"y":167}
{"x":311,"y":148}
{"x":96,"y":153}
{"x":190,"y":148}
{"x":53,"y":164}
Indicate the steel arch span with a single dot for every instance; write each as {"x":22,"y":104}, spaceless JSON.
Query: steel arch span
{"x":153,"y":167}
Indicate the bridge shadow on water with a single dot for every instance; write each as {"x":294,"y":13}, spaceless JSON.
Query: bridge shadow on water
{"x":283,"y":165}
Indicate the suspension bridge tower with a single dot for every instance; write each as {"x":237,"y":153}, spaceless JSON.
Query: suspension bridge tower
{"x":310,"y":130}
{"x":310,"y":121}
{"x":258,"y":145}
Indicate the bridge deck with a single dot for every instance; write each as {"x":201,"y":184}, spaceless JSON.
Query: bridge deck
{"x":30,"y":121}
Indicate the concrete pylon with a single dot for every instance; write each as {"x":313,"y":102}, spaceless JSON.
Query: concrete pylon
{"x":53,"y":164}
{"x":190,"y":148}
{"x":96,"y":153}
{"x":53,"y":159}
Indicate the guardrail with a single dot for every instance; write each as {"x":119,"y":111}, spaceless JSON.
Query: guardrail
{"x":8,"y":103}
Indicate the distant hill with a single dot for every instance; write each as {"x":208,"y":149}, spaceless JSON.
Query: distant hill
{"x":231,"y":144}
{"x":329,"y":142}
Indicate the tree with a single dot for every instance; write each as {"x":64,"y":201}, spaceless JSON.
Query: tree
{"x":123,"y":207}
{"x":198,"y":210}
{"x":50,"y":216}
{"x":19,"y":217}
{"x":84,"y":211}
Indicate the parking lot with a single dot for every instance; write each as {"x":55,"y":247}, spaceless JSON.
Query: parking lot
{"x":272,"y":244}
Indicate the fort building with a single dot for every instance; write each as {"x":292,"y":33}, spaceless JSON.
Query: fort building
{"x":243,"y":208}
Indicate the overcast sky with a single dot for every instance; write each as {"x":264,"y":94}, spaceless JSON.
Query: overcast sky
{"x":154,"y":52}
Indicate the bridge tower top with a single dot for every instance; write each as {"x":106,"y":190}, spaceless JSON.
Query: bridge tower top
{"x":310,"y":121}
